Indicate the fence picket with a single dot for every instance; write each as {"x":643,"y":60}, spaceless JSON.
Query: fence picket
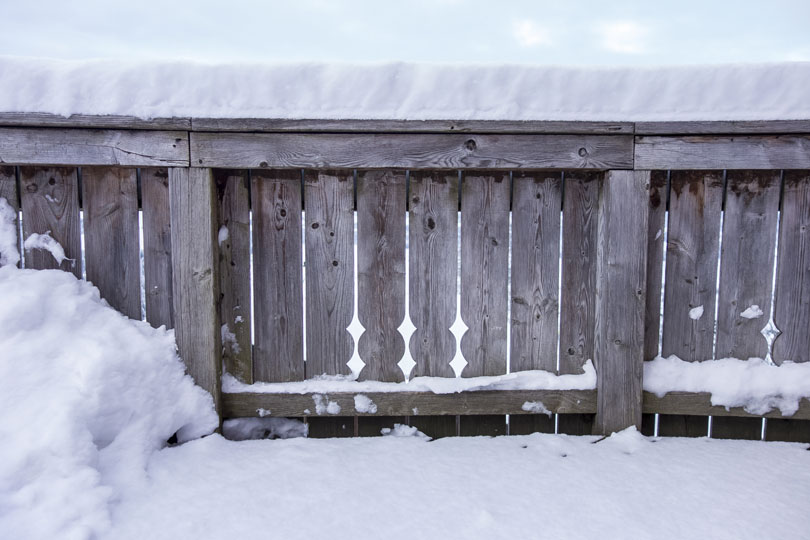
{"x":157,"y":247}
{"x":50,"y":202}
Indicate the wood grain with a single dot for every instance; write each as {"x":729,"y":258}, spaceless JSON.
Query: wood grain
{"x":722,"y":127}
{"x":621,"y":274}
{"x":578,"y":291}
{"x":112,"y":259}
{"x":329,"y":234}
{"x":536,"y":212}
{"x":233,"y":202}
{"x":278,"y":354}
{"x":411,"y":151}
{"x":792,"y":307}
{"x":700,"y":403}
{"x":110,"y":121}
{"x":696,"y":201}
{"x":157,"y":247}
{"x":707,"y":152}
{"x":484,"y":278}
{"x":50,"y":202}
{"x":655,"y":261}
{"x":52,"y":146}
{"x":407,"y":126}
{"x":8,"y":191}
{"x":473,"y":403}
{"x":192,"y":197}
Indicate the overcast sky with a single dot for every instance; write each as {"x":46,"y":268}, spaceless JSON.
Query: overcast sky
{"x":648,"y":32}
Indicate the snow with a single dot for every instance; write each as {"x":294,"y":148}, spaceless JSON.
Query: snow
{"x":45,"y":241}
{"x":696,"y":313}
{"x":9,"y":250}
{"x":524,"y":380}
{"x":243,"y":429}
{"x":752,"y":312}
{"x":363,"y":404}
{"x":222,"y":235}
{"x":402,"y":430}
{"x":753,"y":384}
{"x":324,"y":406}
{"x":404,"y":91}
{"x":536,"y":407}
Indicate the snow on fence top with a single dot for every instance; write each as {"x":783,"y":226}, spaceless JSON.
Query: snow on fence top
{"x":400,"y":91}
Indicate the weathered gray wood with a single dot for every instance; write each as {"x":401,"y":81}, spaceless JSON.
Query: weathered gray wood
{"x":484,"y":258}
{"x":408,"y":126}
{"x":329,"y":234}
{"x":50,"y":202}
{"x":109,"y":121}
{"x":746,"y":266}
{"x":746,"y":276}
{"x":787,"y":430}
{"x":192,"y":197}
{"x":233,"y":200}
{"x":700,"y":403}
{"x":381,"y":272}
{"x":578,"y":297}
{"x":722,"y":127}
{"x":8,"y":191}
{"x":112,"y":260}
{"x":433,"y":259}
{"x":708,"y":152}
{"x":157,"y":247}
{"x":484,"y":277}
{"x":414,"y":151}
{"x":621,"y":274}
{"x":404,"y":403}
{"x":536,"y":212}
{"x":655,"y":262}
{"x":695,"y":205}
{"x":434,"y":270}
{"x":53,"y":146}
{"x":792,"y":307}
{"x":277,"y":276}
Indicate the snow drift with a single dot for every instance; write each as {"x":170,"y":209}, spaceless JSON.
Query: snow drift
{"x":404,"y":91}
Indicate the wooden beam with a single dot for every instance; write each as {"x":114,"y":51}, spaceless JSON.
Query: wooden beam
{"x":705,"y":152}
{"x":700,"y":404}
{"x":707,"y":127}
{"x":410,"y":151}
{"x":52,"y":146}
{"x":621,"y":275}
{"x":107,"y":121}
{"x":412,"y":403}
{"x":408,"y":126}
{"x":195,"y":269}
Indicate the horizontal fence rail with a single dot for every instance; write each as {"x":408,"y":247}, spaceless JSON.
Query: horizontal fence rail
{"x":474,"y":247}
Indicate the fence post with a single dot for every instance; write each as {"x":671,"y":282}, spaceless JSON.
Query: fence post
{"x":621,"y":268}
{"x":192,"y":200}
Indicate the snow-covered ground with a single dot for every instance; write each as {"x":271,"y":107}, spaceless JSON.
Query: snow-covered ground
{"x":405,"y":91}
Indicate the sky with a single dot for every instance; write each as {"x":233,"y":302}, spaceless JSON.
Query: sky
{"x":582,"y":33}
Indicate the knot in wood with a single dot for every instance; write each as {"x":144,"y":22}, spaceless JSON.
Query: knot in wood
{"x":583,"y":152}
{"x":470,"y":145}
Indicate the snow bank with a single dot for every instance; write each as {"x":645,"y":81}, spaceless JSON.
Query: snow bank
{"x":752,"y":384}
{"x":405,"y":91}
{"x":326,"y":384}
{"x":87,"y":395}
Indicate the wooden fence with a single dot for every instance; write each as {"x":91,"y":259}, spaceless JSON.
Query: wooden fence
{"x":579,"y":208}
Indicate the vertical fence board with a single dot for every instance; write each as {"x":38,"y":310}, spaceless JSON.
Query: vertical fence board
{"x":621,"y":274}
{"x":484,"y":277}
{"x":655,"y":263}
{"x":536,"y":209}
{"x":8,"y":191}
{"x":578,"y":298}
{"x":50,"y":202}
{"x":695,"y":204}
{"x":192,"y":197}
{"x":381,"y":279}
{"x":233,"y":226}
{"x":112,"y":258}
{"x":277,"y":276}
{"x":792,"y":307}
{"x":157,"y":247}
{"x":433,"y":243}
{"x":329,"y":233}
{"x":746,"y":274}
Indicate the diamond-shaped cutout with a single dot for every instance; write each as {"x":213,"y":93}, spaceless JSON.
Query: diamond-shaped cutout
{"x":770,"y":332}
{"x":458,"y":329}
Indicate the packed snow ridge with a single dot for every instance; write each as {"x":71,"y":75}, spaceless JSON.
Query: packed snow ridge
{"x":401,"y":91}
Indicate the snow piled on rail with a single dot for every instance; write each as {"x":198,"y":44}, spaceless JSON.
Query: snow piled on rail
{"x":405,"y":91}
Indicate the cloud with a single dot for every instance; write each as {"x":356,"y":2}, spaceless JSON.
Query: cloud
{"x":530,"y":34}
{"x":626,"y":37}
